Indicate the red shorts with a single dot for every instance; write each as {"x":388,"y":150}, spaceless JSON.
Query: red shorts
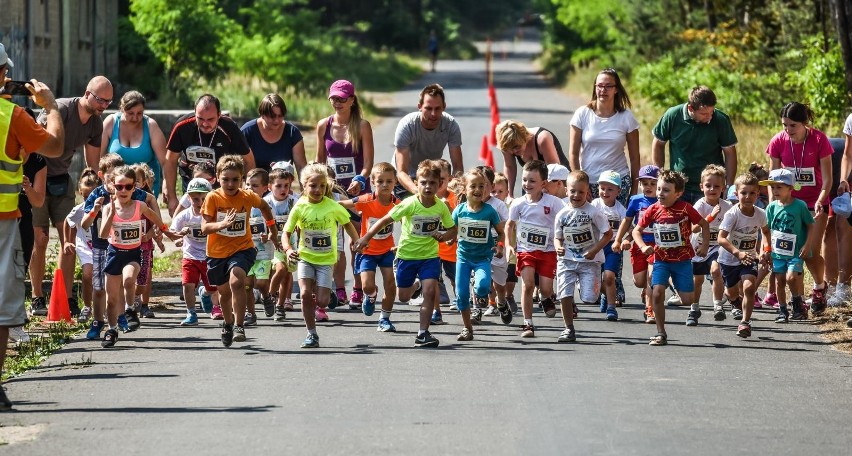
{"x":638,"y":259}
{"x":193,"y":271}
{"x":544,"y":263}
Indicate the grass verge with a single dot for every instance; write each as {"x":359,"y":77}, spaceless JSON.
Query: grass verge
{"x":45,"y":339}
{"x":832,"y":327}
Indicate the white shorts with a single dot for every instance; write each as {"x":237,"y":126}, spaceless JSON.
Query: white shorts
{"x":84,"y":252}
{"x":321,"y":274}
{"x":586,"y":275}
{"x":499,"y":273}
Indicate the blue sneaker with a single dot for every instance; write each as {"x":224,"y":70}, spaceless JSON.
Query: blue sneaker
{"x":604,"y":304}
{"x":190,"y":320}
{"x":369,"y":305}
{"x":436,"y":318}
{"x":205,"y":299}
{"x":385,"y":325}
{"x":95,"y":330}
{"x":122,"y":323}
{"x":611,"y":314}
{"x":312,"y":341}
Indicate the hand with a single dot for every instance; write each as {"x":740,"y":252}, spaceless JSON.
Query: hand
{"x":184,"y":231}
{"x":746,"y":258}
{"x":277,"y":242}
{"x":625,"y":245}
{"x":560,"y":251}
{"x":69,"y":248}
{"x":805,"y":252}
{"x":292,"y":254}
{"x":359,"y":245}
{"x":179,"y":242}
{"x":842,"y":187}
{"x":99,"y":203}
{"x":510,"y":251}
{"x":498,"y":251}
{"x":26,"y":184}
{"x":818,"y":209}
{"x":42,"y":95}
{"x":648,"y":250}
{"x":264,"y":237}
{"x":702,"y":250}
{"x":716,"y":209}
{"x":230,"y":216}
{"x":354,"y":188}
{"x":589,"y":255}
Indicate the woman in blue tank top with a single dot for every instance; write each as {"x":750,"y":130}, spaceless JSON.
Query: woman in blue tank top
{"x":135,"y":137}
{"x":271,"y":138}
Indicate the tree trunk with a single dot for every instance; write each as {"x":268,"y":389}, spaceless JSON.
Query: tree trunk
{"x":710,"y":11}
{"x":841,"y":10}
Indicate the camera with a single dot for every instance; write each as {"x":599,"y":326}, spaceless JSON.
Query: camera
{"x":15,"y":88}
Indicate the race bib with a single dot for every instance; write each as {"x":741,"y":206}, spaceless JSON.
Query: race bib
{"x":783,"y":243}
{"x":237,"y":227}
{"x":256,"y":225}
{"x":615,"y":225}
{"x":534,"y":237}
{"x":425,"y":225}
{"x":744,"y":242}
{"x":578,"y":238}
{"x":805,"y":177}
{"x":384,"y":233}
{"x":200,"y":154}
{"x":195,"y":232}
{"x":474,"y":231}
{"x":126,"y":234}
{"x":667,"y":235}
{"x":318,"y":241}
{"x":344,"y":167}
{"x":648,"y":229}
{"x":714,"y":236}
{"x":280,"y":221}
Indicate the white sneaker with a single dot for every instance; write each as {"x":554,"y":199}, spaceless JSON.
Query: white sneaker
{"x":841,"y":296}
{"x":18,"y":335}
{"x":85,"y":315}
{"x":491,"y":312}
{"x":674,"y":301}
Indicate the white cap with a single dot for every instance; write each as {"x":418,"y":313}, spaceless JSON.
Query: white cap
{"x":557,"y":172}
{"x":4,"y":57}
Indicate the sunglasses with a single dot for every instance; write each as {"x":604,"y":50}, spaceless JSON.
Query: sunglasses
{"x":124,"y":187}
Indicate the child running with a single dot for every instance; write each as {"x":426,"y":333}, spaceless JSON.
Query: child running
{"x":792,"y":237}
{"x":317,"y":216}
{"x":581,"y":231}
{"x":672,"y":220}
{"x":500,"y":192}
{"x":609,"y":186}
{"x":739,"y":236}
{"x":530,"y":227}
{"x":82,"y":244}
{"x":477,"y":245}
{"x":498,"y":304}
{"x":230,"y":249}
{"x":122,"y":224}
{"x":417,"y":253}
{"x":379,"y":252}
{"x":150,"y":235}
{"x":281,"y":199}
{"x":257,"y":181}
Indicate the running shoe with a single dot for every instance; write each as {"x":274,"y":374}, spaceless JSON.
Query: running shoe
{"x":476,"y":316}
{"x":692,"y":318}
{"x":5,"y":403}
{"x":146,"y":312}
{"x":841,"y":295}
{"x":280,"y":313}
{"x":38,"y":306}
{"x":18,"y":335}
{"x":453,"y":305}
{"x":611,"y":314}
{"x":744,"y":329}
{"x":110,"y":338}
{"x":311,"y":341}
{"x":320,"y":314}
{"x":527,"y":331}
{"x":239,"y":333}
{"x":649,"y":315}
{"x":385,"y":325}
{"x":73,"y":306}
{"x":288,"y":305}
{"x":758,"y":304}
{"x":216,"y":313}
{"x":190,"y":320}
{"x":800,"y":312}
{"x":513,"y":305}
{"x":783,"y":315}
{"x":771,"y":300}
{"x":95,"y":330}
{"x":250,"y":319}
{"x":205,"y":300}
{"x":549,"y":307}
{"x":227,"y":334}
{"x":122,"y":323}
{"x":737,"y":309}
{"x":818,"y":301}
{"x":85,"y":315}
{"x":576,"y":310}
{"x":342,"y":300}
{"x":568,"y":335}
{"x":674,"y":300}
{"x":369,"y":305}
{"x":505,"y":312}
{"x":132,"y":317}
{"x":719,"y":313}
{"x":437,"y":318}
{"x":333,"y":301}
{"x":603,"y":303}
{"x":491,"y":311}
{"x":426,"y":340}
{"x":269,"y":306}
{"x":465,"y":335}
{"x":417,"y":289}
{"x":357,"y":297}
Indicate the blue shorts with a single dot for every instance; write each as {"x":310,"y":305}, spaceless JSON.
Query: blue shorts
{"x":408,"y":270}
{"x":612,"y":260}
{"x":785,"y":265}
{"x":734,"y":274}
{"x":680,"y":272}
{"x":364,"y":262}
{"x":117,"y":259}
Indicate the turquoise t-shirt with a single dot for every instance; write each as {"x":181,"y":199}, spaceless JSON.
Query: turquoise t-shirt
{"x":788,"y":226}
{"x":318,"y":224}
{"x":419,"y":223}
{"x":475,"y":239}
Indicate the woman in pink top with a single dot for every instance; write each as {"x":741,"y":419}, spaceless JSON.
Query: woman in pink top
{"x":806,"y":152}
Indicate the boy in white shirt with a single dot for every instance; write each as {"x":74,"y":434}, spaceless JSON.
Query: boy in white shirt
{"x":609,"y":187}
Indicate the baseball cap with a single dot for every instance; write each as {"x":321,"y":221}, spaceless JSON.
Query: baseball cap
{"x":557,"y":172}
{"x":341,"y":88}
{"x":842,"y":205}
{"x":285,"y":165}
{"x":649,"y":172}
{"x":779,"y":176}
{"x":4,"y":57}
{"x":732,"y":193}
{"x":199,"y":185}
{"x":610,"y":176}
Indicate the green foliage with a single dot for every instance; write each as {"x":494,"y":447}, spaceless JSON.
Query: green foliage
{"x":822,"y":81}
{"x":44,"y":340}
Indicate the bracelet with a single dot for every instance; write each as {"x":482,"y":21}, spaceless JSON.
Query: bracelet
{"x":710,"y":218}
{"x":361,"y":180}
{"x":500,"y":244}
{"x":270,"y":222}
{"x":93,"y":215}
{"x":164,"y":227}
{"x":767,"y":249}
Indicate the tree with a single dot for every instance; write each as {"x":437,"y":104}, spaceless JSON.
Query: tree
{"x":842,"y":12}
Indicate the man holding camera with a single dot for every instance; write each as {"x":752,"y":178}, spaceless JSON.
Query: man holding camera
{"x":19,"y":136}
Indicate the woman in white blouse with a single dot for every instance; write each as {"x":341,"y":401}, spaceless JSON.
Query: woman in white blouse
{"x":599,"y":132}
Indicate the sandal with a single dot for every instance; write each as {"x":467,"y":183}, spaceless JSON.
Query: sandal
{"x":659,"y":339}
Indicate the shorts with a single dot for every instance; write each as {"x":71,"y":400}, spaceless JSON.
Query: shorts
{"x":84,"y":253}
{"x":679,"y":271}
{"x":703,"y":267}
{"x":369,"y":263}
{"x":733,"y":274}
{"x":449,"y":268}
{"x":12,"y":310}
{"x":319,"y":273}
{"x":571,"y":274}
{"x":544,"y":263}
{"x":405,"y":271}
{"x":98,"y":266}
{"x":791,"y":264}
{"x":612,"y":260}
{"x":219,"y":269}
{"x":55,"y":208}
{"x":195,"y":272}
{"x":279,"y":258}
{"x":639,"y":261}
{"x":145,"y":268}
{"x":512,"y":273}
{"x":117,"y":259}
{"x":261,"y":269}
{"x":500,"y":274}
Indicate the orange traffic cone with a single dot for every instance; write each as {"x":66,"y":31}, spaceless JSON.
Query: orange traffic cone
{"x":489,"y":159}
{"x":58,"y":310}
{"x":484,"y":150}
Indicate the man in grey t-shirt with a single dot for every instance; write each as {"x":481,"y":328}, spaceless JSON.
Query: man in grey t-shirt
{"x":422,"y":135}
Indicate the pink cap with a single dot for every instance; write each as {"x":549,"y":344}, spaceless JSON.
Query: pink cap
{"x":341,"y":88}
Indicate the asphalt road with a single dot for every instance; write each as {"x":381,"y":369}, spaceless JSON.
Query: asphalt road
{"x":172,"y":390}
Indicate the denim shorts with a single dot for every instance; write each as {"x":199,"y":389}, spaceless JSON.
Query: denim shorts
{"x":679,"y":271}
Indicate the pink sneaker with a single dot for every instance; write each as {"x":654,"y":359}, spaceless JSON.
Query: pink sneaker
{"x":357,"y":296}
{"x":341,"y":297}
{"x":320,"y":314}
{"x":771,"y":301}
{"x":757,"y":303}
{"x":216,"y":313}
{"x":288,"y":305}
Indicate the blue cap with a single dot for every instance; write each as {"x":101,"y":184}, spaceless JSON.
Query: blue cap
{"x":649,"y":172}
{"x":732,"y":193}
{"x":842,"y":205}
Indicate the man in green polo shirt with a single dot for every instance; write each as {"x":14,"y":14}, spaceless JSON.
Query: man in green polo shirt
{"x":698,"y":135}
